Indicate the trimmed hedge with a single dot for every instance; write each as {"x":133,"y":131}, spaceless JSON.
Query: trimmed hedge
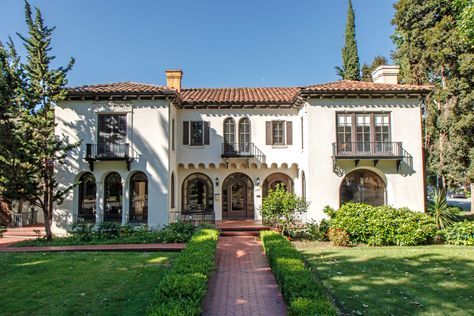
{"x":302,"y":292}
{"x":384,"y":225}
{"x":460,"y":233}
{"x":181,"y":291}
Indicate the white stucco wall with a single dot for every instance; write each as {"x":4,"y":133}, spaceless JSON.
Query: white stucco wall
{"x":404,"y":187}
{"x":147,"y":131}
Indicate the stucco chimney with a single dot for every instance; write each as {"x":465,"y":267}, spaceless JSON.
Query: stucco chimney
{"x":173,"y":78}
{"x":386,"y":74}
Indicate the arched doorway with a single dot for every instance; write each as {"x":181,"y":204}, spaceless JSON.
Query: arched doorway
{"x":138,"y":198}
{"x":87,"y":198}
{"x":362,"y":186}
{"x":197,"y":194}
{"x":274,"y":179}
{"x":113,"y":198}
{"x":237,"y":197}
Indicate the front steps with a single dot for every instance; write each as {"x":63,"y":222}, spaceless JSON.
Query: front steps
{"x":241,"y":228}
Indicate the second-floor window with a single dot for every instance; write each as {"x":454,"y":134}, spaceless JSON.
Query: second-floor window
{"x":196,"y":133}
{"x":112,"y":134}
{"x":278,"y":131}
{"x":362,"y":130}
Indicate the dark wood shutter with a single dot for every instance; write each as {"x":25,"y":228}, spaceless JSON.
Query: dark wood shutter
{"x":289,"y":133}
{"x":186,"y":133}
{"x":207,"y":131}
{"x":268,"y":132}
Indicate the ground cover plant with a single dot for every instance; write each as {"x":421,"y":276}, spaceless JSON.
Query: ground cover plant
{"x":78,"y":283}
{"x":113,"y":233}
{"x":428,"y":280}
{"x":302,"y":292}
{"x":383,"y":225}
{"x":183,"y":289}
{"x":460,"y":233}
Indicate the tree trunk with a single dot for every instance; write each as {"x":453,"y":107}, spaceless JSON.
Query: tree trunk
{"x":472,"y":197}
{"x":46,"y":215}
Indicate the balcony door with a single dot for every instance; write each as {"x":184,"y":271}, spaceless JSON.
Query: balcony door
{"x":244,"y":136}
{"x":237,"y":197}
{"x":112,"y":135}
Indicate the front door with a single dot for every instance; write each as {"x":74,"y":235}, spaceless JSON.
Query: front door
{"x":237,"y":200}
{"x":237,"y":197}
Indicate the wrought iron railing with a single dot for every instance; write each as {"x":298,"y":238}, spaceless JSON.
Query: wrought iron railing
{"x":372,"y":150}
{"x":245,"y":150}
{"x":109,"y":151}
{"x":368,"y":149}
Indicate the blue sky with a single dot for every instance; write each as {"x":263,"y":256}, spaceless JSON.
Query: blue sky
{"x":216,"y":43}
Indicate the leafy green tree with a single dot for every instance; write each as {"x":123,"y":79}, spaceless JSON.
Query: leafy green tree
{"x":368,"y":69}
{"x":37,"y":149}
{"x":282,"y":208}
{"x":431,"y":50}
{"x":465,"y":18}
{"x":350,"y":69}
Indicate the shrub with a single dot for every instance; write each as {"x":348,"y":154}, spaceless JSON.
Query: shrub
{"x":308,"y":231}
{"x":461,"y":233}
{"x":83,"y":232}
{"x":339,"y":237}
{"x":302,"y":292}
{"x":384,"y":225}
{"x":2,"y":230}
{"x":182,"y":290}
{"x":282,"y":208}
{"x":108,"y":230}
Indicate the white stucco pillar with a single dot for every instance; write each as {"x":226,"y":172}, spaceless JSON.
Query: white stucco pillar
{"x":99,"y":203}
{"x":125,"y":202}
{"x":217,"y":199}
{"x":257,"y":198}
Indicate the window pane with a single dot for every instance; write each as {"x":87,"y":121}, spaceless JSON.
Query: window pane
{"x":196,"y":133}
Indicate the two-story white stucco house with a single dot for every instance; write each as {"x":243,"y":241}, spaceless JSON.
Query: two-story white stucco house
{"x":156,"y":154}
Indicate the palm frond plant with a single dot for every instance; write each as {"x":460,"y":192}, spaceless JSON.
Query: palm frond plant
{"x":442,"y":214}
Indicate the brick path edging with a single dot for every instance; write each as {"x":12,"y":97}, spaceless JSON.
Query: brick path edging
{"x":175,"y":247}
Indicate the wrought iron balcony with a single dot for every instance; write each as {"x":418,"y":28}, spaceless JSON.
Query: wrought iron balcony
{"x":371,"y":150}
{"x":109,"y":152}
{"x":242,"y":150}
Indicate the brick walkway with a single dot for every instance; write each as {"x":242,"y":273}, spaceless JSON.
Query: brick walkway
{"x":121,"y":247}
{"x":243,"y":283}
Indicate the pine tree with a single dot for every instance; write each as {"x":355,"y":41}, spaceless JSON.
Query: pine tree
{"x":44,"y":87}
{"x":430,"y":49}
{"x":350,"y":69}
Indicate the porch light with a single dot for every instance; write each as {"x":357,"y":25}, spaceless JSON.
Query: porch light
{"x":217,"y":182}
{"x":257,"y":181}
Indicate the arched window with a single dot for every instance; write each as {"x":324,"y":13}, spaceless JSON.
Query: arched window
{"x":244,"y":135}
{"x":303,"y":185}
{"x":229,"y":131}
{"x":197,"y":193}
{"x":362,"y":186}
{"x":172,"y":191}
{"x":139,"y":198}
{"x":113,"y":198}
{"x":87,"y":198}
{"x":274,"y":179}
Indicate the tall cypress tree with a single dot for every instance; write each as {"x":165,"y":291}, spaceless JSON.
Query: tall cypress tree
{"x":350,"y":69}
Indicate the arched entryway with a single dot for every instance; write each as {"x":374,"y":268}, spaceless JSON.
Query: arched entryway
{"x":113,"y":198}
{"x":138,"y":198}
{"x":362,"y":186}
{"x":274,"y":179}
{"x":197,"y":194}
{"x":87,"y":198}
{"x":237,"y":197}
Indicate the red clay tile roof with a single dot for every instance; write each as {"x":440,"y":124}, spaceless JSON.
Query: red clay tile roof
{"x":362,"y":86}
{"x":126,"y":87}
{"x":229,"y":96}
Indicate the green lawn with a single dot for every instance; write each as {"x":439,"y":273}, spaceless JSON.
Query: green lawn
{"x":424,"y":280}
{"x":79,"y":283}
